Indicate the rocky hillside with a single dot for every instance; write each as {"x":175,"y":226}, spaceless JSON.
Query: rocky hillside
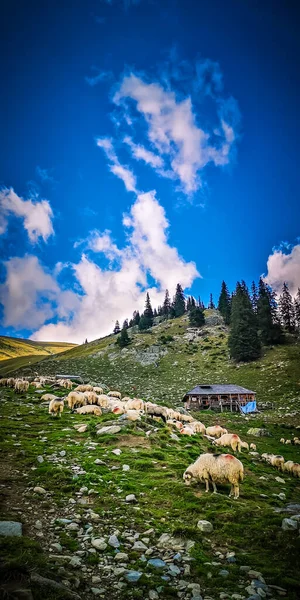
{"x":171,"y":358}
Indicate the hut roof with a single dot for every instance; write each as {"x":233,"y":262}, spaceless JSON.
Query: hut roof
{"x":205,"y":389}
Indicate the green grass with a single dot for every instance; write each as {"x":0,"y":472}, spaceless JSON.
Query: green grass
{"x":16,"y":347}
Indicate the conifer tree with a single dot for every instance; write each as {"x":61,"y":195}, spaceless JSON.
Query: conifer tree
{"x":254,"y":296}
{"x":159,"y":311}
{"x":123,"y":340}
{"x":86,"y":342}
{"x":244,"y":344}
{"x":130,"y":324}
{"x":179,"y":301}
{"x":224,"y":304}
{"x":146,"y":320}
{"x":297,"y":309}
{"x":117,"y":327}
{"x":211,"y":302}
{"x":155,"y":313}
{"x":269,"y":329}
{"x":125,"y":324}
{"x":196,"y":316}
{"x":287,"y":309}
{"x":166,"y":305}
{"x":136,"y":317}
{"x":200,"y":303}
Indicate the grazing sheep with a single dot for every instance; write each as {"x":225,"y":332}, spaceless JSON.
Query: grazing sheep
{"x":282,"y":441}
{"x":76,"y":399}
{"x":216,"y":431}
{"x":91,"y":397}
{"x":134,"y":404}
{"x":287,"y":467}
{"x":98,"y":390}
{"x":91,"y":409}
{"x":115,"y":394}
{"x":216,"y":468}
{"x":21,"y":385}
{"x":66,"y":383}
{"x":197,"y":427}
{"x":48,"y":397}
{"x":3,"y":382}
{"x":274,"y":459}
{"x":245,"y":445}
{"x":296,"y":470}
{"x":186,"y":430}
{"x":288,"y":442}
{"x":186,"y":418}
{"x":253,"y":447}
{"x":229,"y":439}
{"x":117,"y":409}
{"x":132,"y":415}
{"x":103,"y":401}
{"x":175,"y":423}
{"x":10,"y":382}
{"x":154,"y":410}
{"x":83,"y":388}
{"x":56,"y":406}
{"x":36,"y":384}
{"x":296,"y":441}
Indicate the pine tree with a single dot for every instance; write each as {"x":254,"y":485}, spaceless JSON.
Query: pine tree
{"x":224,"y":304}
{"x":244,"y":344}
{"x":269,"y":329}
{"x":86,"y":342}
{"x":297,"y":309}
{"x":130,"y":324}
{"x":254,"y":296}
{"x":136,"y":317}
{"x":200,"y":303}
{"x":166,"y":305}
{"x":146,"y":320}
{"x":123,"y":340}
{"x":159,"y":311}
{"x":125,"y":324}
{"x":196,"y":317}
{"x":179,"y":301}
{"x":155,"y":314}
{"x":287,"y":309}
{"x":211,"y":302}
{"x":117,"y":327}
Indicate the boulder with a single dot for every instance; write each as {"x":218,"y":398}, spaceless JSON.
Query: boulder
{"x":205,"y":526}
{"x":11,"y":528}
{"x":289,"y":525}
{"x":111,"y":430}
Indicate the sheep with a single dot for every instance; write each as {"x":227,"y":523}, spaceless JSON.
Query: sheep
{"x":66,"y":383}
{"x":274,"y":459}
{"x":56,"y":406}
{"x":216,"y":431}
{"x":154,"y":410}
{"x":229,"y":439}
{"x":296,"y":470}
{"x":186,"y":418}
{"x":197,"y":427}
{"x":175,"y":423}
{"x":83,"y":388}
{"x":253,"y":447}
{"x":245,"y":445}
{"x":91,"y":409}
{"x":36,"y":384}
{"x":134,"y":404}
{"x":296,"y":441}
{"x":21,"y":385}
{"x":91,"y":397}
{"x":282,"y":440}
{"x":115,"y":394}
{"x":98,"y":390}
{"x":10,"y":382}
{"x":288,"y":466}
{"x":3,"y":382}
{"x":116,"y":408}
{"x":48,"y":397}
{"x":132,"y":415}
{"x":186,"y":430}
{"x":288,"y":442}
{"x":103,"y":401}
{"x":76,"y":399}
{"x":216,"y":468}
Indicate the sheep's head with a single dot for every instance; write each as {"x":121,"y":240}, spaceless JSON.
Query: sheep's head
{"x":187,"y":477}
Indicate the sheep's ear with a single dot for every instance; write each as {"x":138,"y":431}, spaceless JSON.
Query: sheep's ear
{"x":188,"y":475}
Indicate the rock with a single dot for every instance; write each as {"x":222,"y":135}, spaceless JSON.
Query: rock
{"x":96,"y":579}
{"x":153,"y":595}
{"x":39,"y":490}
{"x":113,"y":541}
{"x":11,"y":528}
{"x":38,"y":525}
{"x":133,"y":576}
{"x":126,"y":468}
{"x":139,"y":546}
{"x":96,"y":591}
{"x":205,"y":526}
{"x":99,"y":544}
{"x":110,"y":429}
{"x":289,"y":525}
{"x":116,"y":451}
{"x":99,"y":462}
{"x":63,"y":521}
{"x":173,"y":570}
{"x":224,"y":573}
{"x":56,"y":546}
{"x":157,"y":563}
{"x":75,"y":562}
{"x":40,"y":459}
{"x":82,"y":428}
{"x":131,"y":498}
{"x":121,"y":556}
{"x":279,"y":479}
{"x":44,"y":582}
{"x":281,"y":496}
{"x":62,"y":453}
{"x":72,"y":527}
{"x":258,"y":432}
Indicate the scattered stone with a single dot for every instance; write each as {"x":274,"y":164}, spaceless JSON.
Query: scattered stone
{"x":44,"y":582}
{"x":282,"y":496}
{"x":75,"y":562}
{"x":96,"y":591}
{"x":133,"y":576}
{"x":38,"y":525}
{"x":56,"y":546}
{"x":157,"y":563}
{"x":223,"y":573}
{"x":82,"y":428}
{"x":258,"y":432}
{"x":131,"y":498}
{"x":121,"y":557}
{"x":99,"y":544}
{"x":72,"y":527}
{"x":126,"y":468}
{"x":289,"y":525}
{"x":279,"y":479}
{"x":205,"y":526}
{"x":116,"y":451}
{"x":139,"y":546}
{"x":40,"y":459}
{"x":99,"y":462}
{"x":113,"y":541}
{"x":39,"y":490}
{"x":153,"y":595}
{"x":110,"y":429}
{"x":11,"y":528}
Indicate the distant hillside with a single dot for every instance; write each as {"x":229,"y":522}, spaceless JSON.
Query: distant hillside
{"x":171,"y":358}
{"x":15,"y":347}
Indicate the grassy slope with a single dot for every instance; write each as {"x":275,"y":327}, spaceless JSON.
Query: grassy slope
{"x":14,"y":347}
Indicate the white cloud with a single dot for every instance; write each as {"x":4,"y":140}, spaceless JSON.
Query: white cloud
{"x":141,"y":153}
{"x":37,"y":215}
{"x":110,"y":293}
{"x":181,"y":145}
{"x":115,"y":167}
{"x":284,"y":267}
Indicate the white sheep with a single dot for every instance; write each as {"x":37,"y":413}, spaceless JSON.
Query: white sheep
{"x":253,"y":447}
{"x":36,"y":384}
{"x":98,"y":390}
{"x":76,"y":399}
{"x":103,"y":401}
{"x":91,"y":397}
{"x":115,"y":394}
{"x":10,"y":382}
{"x":216,"y":468}
{"x":282,"y":440}
{"x":3,"y":382}
{"x":288,"y":442}
{"x":245,"y":445}
{"x":186,"y":430}
{"x":276,"y":460}
{"x":296,"y":441}
{"x":288,"y":466}
{"x":186,"y":418}
{"x":155,"y":410}
{"x":21,"y":385}
{"x":174,"y":423}
{"x":229,"y":439}
{"x":83,"y":388}
{"x":216,"y":431}
{"x":296,"y":470}
{"x":66,"y":383}
{"x":133,"y":404}
{"x":132,"y":415}
{"x":90,"y":409}
{"x":56,"y":406}
{"x":48,"y":397}
{"x":197,"y":427}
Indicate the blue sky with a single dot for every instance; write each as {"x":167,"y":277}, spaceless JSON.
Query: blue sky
{"x":143,"y":143}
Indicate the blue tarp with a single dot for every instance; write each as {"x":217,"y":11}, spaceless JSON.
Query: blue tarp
{"x":248,"y":408}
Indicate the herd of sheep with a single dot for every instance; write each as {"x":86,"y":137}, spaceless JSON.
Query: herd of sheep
{"x":208,"y":468}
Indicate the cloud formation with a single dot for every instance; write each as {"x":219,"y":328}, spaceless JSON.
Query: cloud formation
{"x":284,"y":267}
{"x":115,"y":166}
{"x":36,"y":215}
{"x":113,"y":292}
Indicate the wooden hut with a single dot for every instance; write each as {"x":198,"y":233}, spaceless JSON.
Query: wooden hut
{"x":218,"y":397}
